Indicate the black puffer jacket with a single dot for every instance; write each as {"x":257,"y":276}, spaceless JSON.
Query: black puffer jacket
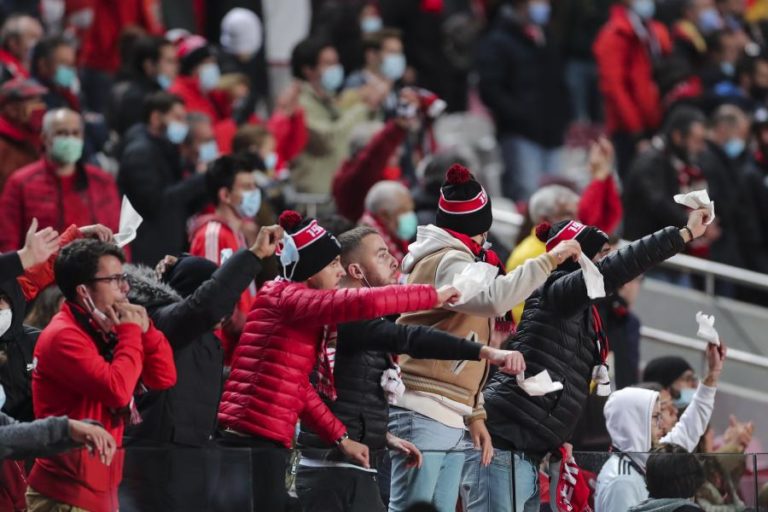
{"x":362,"y":356}
{"x":186,"y":413}
{"x":556,"y":334}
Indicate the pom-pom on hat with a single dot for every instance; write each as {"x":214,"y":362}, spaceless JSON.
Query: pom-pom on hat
{"x":316,"y":247}
{"x":464,"y":206}
{"x":590,"y":238}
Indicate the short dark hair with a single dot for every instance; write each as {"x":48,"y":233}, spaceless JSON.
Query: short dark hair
{"x":682,"y":119}
{"x":160,"y":101}
{"x":672,"y":472}
{"x":247,"y":135}
{"x":146,"y":48}
{"x":78,"y":262}
{"x":307,"y":53}
{"x":221,"y":174}
{"x":375,"y":40}
{"x":351,"y":240}
{"x":44,"y":50}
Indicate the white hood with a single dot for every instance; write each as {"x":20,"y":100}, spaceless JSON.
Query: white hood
{"x":628,"y":415}
{"x":429,"y":240}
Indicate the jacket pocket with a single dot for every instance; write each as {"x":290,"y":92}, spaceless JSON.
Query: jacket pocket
{"x":458,"y":366}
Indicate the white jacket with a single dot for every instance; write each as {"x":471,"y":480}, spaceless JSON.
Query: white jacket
{"x":628,"y":416}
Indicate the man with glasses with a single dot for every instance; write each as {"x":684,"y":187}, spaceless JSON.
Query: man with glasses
{"x":636,"y":422}
{"x":89,"y":362}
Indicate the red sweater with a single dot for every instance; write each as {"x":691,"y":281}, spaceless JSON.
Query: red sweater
{"x":34,"y":191}
{"x":269,"y":389}
{"x":72,"y":379}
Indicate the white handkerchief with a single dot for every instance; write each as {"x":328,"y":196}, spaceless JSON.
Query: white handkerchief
{"x":474,"y":279}
{"x":592,"y":278}
{"x":130,"y":220}
{"x":538,"y":385}
{"x":707,"y":328}
{"x":697,"y":199}
{"x":392,"y":384}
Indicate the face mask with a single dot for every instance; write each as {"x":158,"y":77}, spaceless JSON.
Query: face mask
{"x":686,"y":397}
{"x":734,"y":147}
{"x":332,"y":78}
{"x":728,"y":68}
{"x":6,"y":317}
{"x":710,"y":20}
{"x":164,"y":81}
{"x":289,"y":255}
{"x":177,"y":132}
{"x":538,"y":13}
{"x":2,"y":396}
{"x":644,"y":8}
{"x":67,"y":150}
{"x":208,"y":76}
{"x":406,"y":225}
{"x":371,"y":24}
{"x":250,"y":203}
{"x":270,"y":161}
{"x":65,"y":76}
{"x":208,"y":151}
{"x":393,"y":66}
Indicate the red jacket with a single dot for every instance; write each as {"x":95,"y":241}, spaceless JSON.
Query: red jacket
{"x":269,"y":389}
{"x":195,"y":100}
{"x":14,"y":66}
{"x":625,"y":70}
{"x":18,"y":148}
{"x":600,"y":205}
{"x":72,"y":379}
{"x":358,"y":174}
{"x":35,"y":191}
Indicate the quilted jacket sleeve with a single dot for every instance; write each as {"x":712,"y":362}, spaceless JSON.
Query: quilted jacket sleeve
{"x":319,"y":418}
{"x":569,"y":293}
{"x":321,"y":307}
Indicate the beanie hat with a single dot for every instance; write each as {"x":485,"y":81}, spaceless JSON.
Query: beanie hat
{"x":463,"y":206}
{"x":192,"y":50}
{"x":590,"y":238}
{"x":665,"y":370}
{"x":189,"y":273}
{"x":315,"y":246}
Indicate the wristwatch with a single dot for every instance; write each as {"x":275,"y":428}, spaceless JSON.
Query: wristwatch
{"x":343,"y":438}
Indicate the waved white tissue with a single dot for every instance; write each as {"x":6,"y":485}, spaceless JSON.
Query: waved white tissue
{"x":474,"y":279}
{"x":697,"y":199}
{"x":539,"y":384}
{"x":707,"y":328}
{"x":130,"y":220}
{"x":592,"y":278}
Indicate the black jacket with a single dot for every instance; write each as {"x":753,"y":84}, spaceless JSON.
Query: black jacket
{"x":752,"y":217}
{"x":523,"y":83}
{"x":556,"y":334}
{"x":362,"y":355}
{"x":186,"y":413}
{"x":650,"y":186}
{"x":151,"y":176}
{"x":126,"y":102}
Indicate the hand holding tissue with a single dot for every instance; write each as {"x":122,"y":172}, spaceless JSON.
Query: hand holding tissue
{"x":473,"y":280}
{"x":707,"y":328}
{"x":130,"y":220}
{"x":538,"y":385}
{"x":697,"y":199}
{"x":592,"y":278}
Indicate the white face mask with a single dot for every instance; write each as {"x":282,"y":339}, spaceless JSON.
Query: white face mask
{"x":6,"y":318}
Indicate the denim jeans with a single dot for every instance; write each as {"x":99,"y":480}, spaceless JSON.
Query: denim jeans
{"x":437,"y":481}
{"x":525,"y":162}
{"x":509,"y":484}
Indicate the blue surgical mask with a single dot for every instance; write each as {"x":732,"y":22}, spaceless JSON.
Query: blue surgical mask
{"x":164,"y":81}
{"x":406,"y":225}
{"x":289,"y":255}
{"x":208,"y":76}
{"x":728,"y":68}
{"x":371,"y":24}
{"x":208,"y":151}
{"x":65,"y":76}
{"x":734,"y":147}
{"x":176,"y":132}
{"x":686,"y":397}
{"x":393,"y":66}
{"x":710,"y":20}
{"x":332,"y":78}
{"x":538,"y":12}
{"x":644,"y":8}
{"x":270,"y":161}
{"x":250,"y":203}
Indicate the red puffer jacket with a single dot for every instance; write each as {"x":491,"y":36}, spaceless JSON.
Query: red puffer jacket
{"x":269,"y":387}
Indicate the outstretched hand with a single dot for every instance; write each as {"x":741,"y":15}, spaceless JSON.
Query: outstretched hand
{"x":38,"y":245}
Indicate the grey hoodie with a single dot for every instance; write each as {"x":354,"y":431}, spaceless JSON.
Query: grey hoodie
{"x":662,"y":505}
{"x":40,"y":438}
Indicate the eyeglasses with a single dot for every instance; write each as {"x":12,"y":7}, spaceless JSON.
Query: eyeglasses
{"x":119,"y":279}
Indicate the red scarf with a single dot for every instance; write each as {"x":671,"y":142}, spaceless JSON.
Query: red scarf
{"x":397,"y":248}
{"x":325,"y":362}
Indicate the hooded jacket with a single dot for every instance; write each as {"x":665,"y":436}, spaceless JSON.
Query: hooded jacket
{"x":557,"y":334}
{"x":628,"y":415}
{"x":436,"y":258}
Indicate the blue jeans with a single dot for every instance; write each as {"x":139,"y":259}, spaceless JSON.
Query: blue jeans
{"x":525,"y":163}
{"x":437,"y":481}
{"x":509,"y":484}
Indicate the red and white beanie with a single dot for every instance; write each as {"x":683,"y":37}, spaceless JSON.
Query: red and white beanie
{"x":464,"y":206}
{"x":314,"y":246}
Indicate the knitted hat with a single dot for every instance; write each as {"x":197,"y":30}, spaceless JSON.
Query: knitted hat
{"x":20,"y":89}
{"x":316,"y":247}
{"x":590,"y":238}
{"x":665,"y":370}
{"x":192,"y":50}
{"x":463,"y":206}
{"x":189,"y":273}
